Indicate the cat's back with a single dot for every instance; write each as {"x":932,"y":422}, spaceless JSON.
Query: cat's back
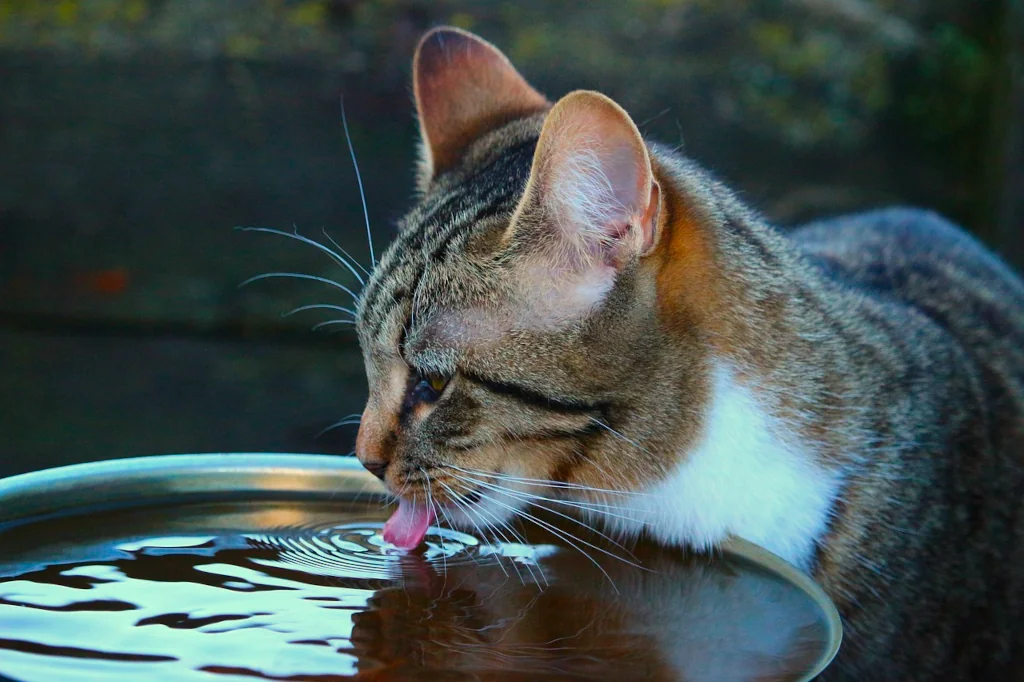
{"x":923,"y":261}
{"x":951,"y":317}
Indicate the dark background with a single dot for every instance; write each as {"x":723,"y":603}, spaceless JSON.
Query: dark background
{"x":135,"y":134}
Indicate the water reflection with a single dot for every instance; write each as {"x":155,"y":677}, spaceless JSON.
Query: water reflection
{"x":193,"y":593}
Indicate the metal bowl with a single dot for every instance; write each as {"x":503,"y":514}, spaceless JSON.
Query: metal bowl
{"x":33,"y":504}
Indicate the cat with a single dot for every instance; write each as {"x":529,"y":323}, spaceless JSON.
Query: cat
{"x":571,"y":311}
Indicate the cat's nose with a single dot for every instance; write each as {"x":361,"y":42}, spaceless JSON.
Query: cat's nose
{"x":370,"y":448}
{"x":378,"y":469}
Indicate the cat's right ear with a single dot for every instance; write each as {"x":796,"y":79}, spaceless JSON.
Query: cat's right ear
{"x":464,"y":86}
{"x":591,"y":208}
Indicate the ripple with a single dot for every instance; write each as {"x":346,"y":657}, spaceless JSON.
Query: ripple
{"x":173,"y":542}
{"x":357,"y":550}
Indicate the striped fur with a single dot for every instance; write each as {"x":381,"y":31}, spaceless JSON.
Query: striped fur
{"x":880,"y":357}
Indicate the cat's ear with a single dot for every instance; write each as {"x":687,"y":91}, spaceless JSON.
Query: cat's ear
{"x":591,"y":207}
{"x":592,"y":189}
{"x":464,"y":86}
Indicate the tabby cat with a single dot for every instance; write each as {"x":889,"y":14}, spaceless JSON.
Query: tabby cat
{"x":570,"y":309}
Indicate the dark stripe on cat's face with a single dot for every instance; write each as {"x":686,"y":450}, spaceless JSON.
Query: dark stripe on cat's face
{"x":577,"y":435}
{"x":534,"y":398}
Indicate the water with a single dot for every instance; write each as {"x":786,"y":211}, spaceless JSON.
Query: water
{"x":308,"y":591}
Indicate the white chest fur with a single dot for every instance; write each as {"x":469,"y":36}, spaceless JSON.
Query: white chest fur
{"x":749,"y":477}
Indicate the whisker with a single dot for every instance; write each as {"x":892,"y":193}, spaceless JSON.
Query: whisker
{"x":350,"y":420}
{"x":466,"y":510}
{"x":345,"y":253}
{"x":594,"y":507}
{"x":654,"y":118}
{"x":433,"y":507}
{"x":545,"y":483}
{"x":301,"y":275}
{"x":330,"y":323}
{"x":320,"y":306}
{"x":564,"y":536}
{"x":600,"y":423}
{"x":400,"y":493}
{"x":448,"y":520}
{"x":387,"y":498}
{"x":312,"y":242}
{"x":498,"y":525}
{"x":359,"y":181}
{"x":526,"y":498}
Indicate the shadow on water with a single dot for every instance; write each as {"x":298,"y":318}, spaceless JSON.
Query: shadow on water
{"x":193,"y":592}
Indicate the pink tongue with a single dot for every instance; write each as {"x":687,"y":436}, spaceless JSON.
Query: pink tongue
{"x":408,"y":525}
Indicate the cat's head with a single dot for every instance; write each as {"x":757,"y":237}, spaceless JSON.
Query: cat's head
{"x":516,"y":330}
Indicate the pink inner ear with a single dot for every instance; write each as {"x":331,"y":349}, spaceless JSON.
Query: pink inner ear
{"x":596,"y":196}
{"x":587,"y":206}
{"x":594,"y":177}
{"x":625,"y":175}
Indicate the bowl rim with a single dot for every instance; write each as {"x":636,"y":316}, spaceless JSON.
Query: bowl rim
{"x":155,"y":479}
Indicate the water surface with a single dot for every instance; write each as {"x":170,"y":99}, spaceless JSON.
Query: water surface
{"x":309,"y":591}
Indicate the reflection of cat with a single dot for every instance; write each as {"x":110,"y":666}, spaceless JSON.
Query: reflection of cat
{"x":568,"y":304}
{"x":680,"y":620}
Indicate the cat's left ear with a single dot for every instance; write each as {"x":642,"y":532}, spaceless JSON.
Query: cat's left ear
{"x":464,"y":86}
{"x":592,"y":193}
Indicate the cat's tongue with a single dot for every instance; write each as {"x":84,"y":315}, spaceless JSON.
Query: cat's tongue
{"x":408,"y":525}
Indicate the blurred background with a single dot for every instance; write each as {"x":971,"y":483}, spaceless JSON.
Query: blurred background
{"x":135,"y":134}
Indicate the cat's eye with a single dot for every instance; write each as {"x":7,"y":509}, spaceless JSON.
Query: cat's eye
{"x":427,"y":388}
